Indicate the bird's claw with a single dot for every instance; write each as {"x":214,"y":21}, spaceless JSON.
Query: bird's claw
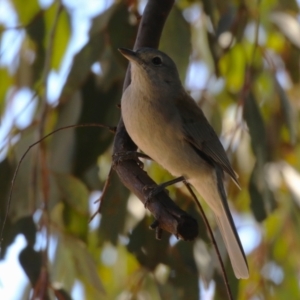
{"x":154,"y":191}
{"x":129,"y":155}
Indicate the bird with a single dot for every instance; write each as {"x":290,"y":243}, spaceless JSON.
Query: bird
{"x":165,"y":122}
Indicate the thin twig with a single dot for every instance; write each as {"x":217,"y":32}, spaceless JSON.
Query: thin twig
{"x":43,"y":119}
{"x":256,"y":37}
{"x":104,"y":190}
{"x":110,"y":128}
{"x":212,"y":239}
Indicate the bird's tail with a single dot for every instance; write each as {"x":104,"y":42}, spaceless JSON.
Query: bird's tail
{"x":233,"y":245}
{"x":211,"y":188}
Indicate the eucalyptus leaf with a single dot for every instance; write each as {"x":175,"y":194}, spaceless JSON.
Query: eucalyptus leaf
{"x":113,"y":208}
{"x":176,"y":40}
{"x":26,"y":12}
{"x":287,"y":111}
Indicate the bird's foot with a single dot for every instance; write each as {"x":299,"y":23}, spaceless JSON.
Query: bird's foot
{"x":156,"y":189}
{"x":158,"y":231}
{"x":129,"y":155}
{"x":151,"y":191}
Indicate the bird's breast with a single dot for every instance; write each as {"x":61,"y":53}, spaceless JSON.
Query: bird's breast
{"x":155,"y":127}
{"x":144,"y":119}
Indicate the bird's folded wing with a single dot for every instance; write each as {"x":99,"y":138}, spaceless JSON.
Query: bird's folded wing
{"x":202,"y":136}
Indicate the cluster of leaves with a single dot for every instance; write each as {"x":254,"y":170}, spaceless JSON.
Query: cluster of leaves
{"x":248,"y":49}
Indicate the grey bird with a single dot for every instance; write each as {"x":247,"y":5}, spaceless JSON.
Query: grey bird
{"x":167,"y":124}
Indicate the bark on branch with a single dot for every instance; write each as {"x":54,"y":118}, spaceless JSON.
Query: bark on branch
{"x":169,"y":216}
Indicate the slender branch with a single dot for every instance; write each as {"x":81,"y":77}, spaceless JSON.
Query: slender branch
{"x":207,"y":225}
{"x":43,"y":118}
{"x":100,"y":200}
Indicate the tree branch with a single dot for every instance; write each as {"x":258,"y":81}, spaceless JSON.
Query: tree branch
{"x":169,"y":216}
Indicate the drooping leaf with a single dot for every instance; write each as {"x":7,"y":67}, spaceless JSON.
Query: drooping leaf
{"x":113,"y":209}
{"x":63,"y":269}
{"x":94,"y":49}
{"x":262,"y":199}
{"x":256,"y":195}
{"x":62,"y":145}
{"x":81,"y":66}
{"x":112,"y":70}
{"x":74,"y":194}
{"x":120,"y":22}
{"x":36,"y":31}
{"x":256,"y":127}
{"x":98,"y":106}
{"x":6,"y":81}
{"x":73,"y":191}
{"x":287,"y":111}
{"x":25,"y":183}
{"x":27,"y":227}
{"x":233,"y":66}
{"x":184,"y":274}
{"x":85,"y":266}
{"x":6,"y":173}
{"x":288,"y":25}
{"x":26,"y":12}
{"x":289,"y":5}
{"x":209,"y":8}
{"x":148,"y":250}
{"x":177,"y":29}
{"x":31,"y":262}
{"x":61,"y":35}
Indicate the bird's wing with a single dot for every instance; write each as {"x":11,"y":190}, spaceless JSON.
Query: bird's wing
{"x":199,"y":133}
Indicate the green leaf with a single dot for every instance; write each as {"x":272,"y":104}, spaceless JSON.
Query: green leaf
{"x":98,"y":106}
{"x":256,"y":127}
{"x":26,"y":10}
{"x":31,"y":262}
{"x":148,"y":250}
{"x":120,"y":22}
{"x":85,"y":266}
{"x":184,"y":275}
{"x":22,"y":195}
{"x":27,"y":227}
{"x":36,"y":30}
{"x":262,"y":199}
{"x":89,"y":54}
{"x":6,"y":81}
{"x":177,"y":29}
{"x":288,"y":25}
{"x":82,"y":64}
{"x":64,"y":269}
{"x":75,"y":222}
{"x":6,"y":173}
{"x":75,"y":195}
{"x":287,"y":111}
{"x":233,"y":67}
{"x":62,"y":143}
{"x":113,"y":210}
{"x":61,"y":35}
{"x":256,"y":195}
{"x":74,"y":192}
{"x":289,"y":5}
{"x":112,"y":70}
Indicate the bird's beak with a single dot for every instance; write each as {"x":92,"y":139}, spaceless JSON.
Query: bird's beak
{"x":129,"y":54}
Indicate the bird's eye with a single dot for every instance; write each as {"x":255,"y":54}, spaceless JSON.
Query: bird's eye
{"x":156,"y":61}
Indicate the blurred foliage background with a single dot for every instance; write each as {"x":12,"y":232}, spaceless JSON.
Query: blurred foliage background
{"x":239,"y":60}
